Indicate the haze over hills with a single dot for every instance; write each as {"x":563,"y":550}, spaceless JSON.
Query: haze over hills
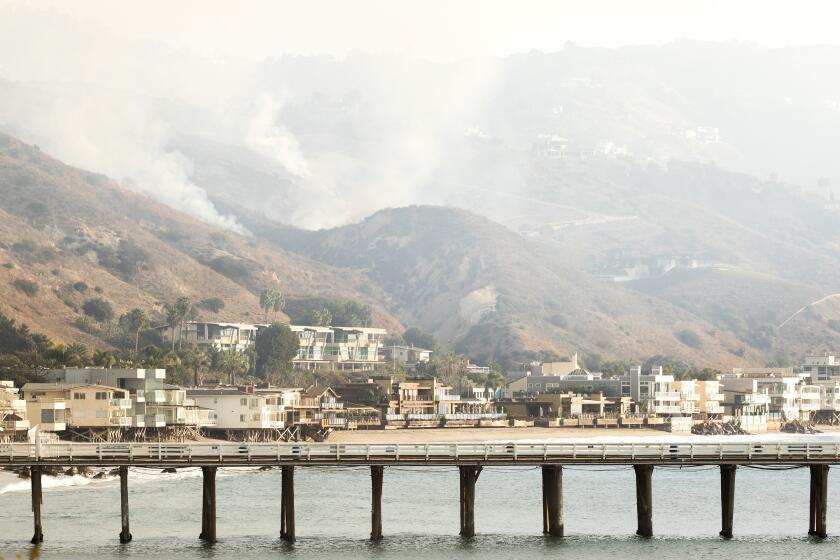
{"x":62,"y":226}
{"x":706,"y":187}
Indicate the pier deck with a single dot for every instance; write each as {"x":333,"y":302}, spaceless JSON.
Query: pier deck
{"x":794,"y":451}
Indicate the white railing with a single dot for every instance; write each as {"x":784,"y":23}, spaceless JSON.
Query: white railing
{"x":559,"y":452}
{"x":476,"y":416}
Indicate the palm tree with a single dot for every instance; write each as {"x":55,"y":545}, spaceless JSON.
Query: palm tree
{"x":105,"y":358}
{"x":152,"y":357}
{"x":134,"y":321}
{"x":198,"y":361}
{"x":233,"y":363}
{"x":323,"y":317}
{"x":271,"y":300}
{"x":183,"y":306}
{"x":171,"y":320}
{"x":175,"y":315}
{"x":77,"y":354}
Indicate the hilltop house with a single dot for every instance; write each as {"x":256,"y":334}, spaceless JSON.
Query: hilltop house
{"x":321,"y":348}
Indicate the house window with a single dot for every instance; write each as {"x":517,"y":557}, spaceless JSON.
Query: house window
{"x":242,"y":418}
{"x":101,"y":414}
{"x":243,"y":402}
{"x":78,"y":396}
{"x":101,"y":396}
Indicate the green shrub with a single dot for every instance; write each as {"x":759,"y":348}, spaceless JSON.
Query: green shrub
{"x":212,"y":304}
{"x":80,"y":287}
{"x":689,"y":338}
{"x":28,"y":287}
{"x":98,"y":309}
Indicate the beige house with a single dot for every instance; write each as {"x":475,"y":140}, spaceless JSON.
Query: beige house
{"x":81,"y":406}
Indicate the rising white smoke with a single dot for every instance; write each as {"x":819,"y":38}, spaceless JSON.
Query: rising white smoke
{"x":265,"y":134}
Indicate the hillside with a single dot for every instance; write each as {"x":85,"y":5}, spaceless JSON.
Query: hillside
{"x":496,"y":295}
{"x":76,"y":235}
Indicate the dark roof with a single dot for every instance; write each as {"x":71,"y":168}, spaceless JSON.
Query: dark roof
{"x":317,"y":391}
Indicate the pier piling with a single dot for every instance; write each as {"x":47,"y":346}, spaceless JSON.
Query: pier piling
{"x":819,"y":501}
{"x":553,"y":500}
{"x":644,"y":500}
{"x":727,"y":497}
{"x":545,"y":483}
{"x":125,"y":534}
{"x":376,"y":476}
{"x":287,"y":504}
{"x":469,"y":475}
{"x":208,"y":505}
{"x":37,"y":500}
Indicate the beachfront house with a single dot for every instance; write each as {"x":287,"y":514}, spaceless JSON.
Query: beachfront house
{"x":83,"y":405}
{"x":145,"y":388}
{"x":14,"y":422}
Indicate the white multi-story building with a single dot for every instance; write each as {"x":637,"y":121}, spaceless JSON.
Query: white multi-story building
{"x":778,"y":394}
{"x":689,"y":397}
{"x":145,"y":388}
{"x":13,"y":419}
{"x":822,"y":368}
{"x":338,"y":348}
{"x":236,"y":409}
{"x":829,"y":395}
{"x":810,"y":399}
{"x":654,"y":391}
{"x":331,"y":348}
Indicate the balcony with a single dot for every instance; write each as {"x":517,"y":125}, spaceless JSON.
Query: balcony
{"x":714,"y":397}
{"x":14,"y":425}
{"x":151,"y":396}
{"x":122,"y":421}
{"x":666,"y":396}
{"x":122,"y":403}
{"x":712,"y":408}
{"x":756,"y":398}
{"x":667,"y":409}
{"x":331,"y":405}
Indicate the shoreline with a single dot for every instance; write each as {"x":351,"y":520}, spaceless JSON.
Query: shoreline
{"x":438,"y":435}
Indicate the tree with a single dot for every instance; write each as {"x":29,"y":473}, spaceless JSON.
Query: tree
{"x":199,"y":362}
{"x":233,"y":363}
{"x":133,"y":322}
{"x":104,"y":358}
{"x":322,"y":317}
{"x":183,"y":307}
{"x":276,"y":346}
{"x":495,"y":379}
{"x":416,"y":337}
{"x":213,"y":304}
{"x":99,"y":309}
{"x":271,"y":300}
{"x":175,"y":315}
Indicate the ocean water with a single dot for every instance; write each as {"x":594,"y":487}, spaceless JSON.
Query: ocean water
{"x":420,"y":515}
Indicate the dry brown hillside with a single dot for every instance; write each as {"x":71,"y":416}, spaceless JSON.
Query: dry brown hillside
{"x":61,"y":226}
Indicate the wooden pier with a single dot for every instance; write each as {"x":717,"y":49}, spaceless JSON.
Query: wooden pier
{"x":469,"y":458}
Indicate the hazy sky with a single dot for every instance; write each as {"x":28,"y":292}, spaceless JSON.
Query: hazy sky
{"x":446,"y":29}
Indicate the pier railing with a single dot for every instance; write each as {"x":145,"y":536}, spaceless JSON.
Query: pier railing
{"x":792,"y":451}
